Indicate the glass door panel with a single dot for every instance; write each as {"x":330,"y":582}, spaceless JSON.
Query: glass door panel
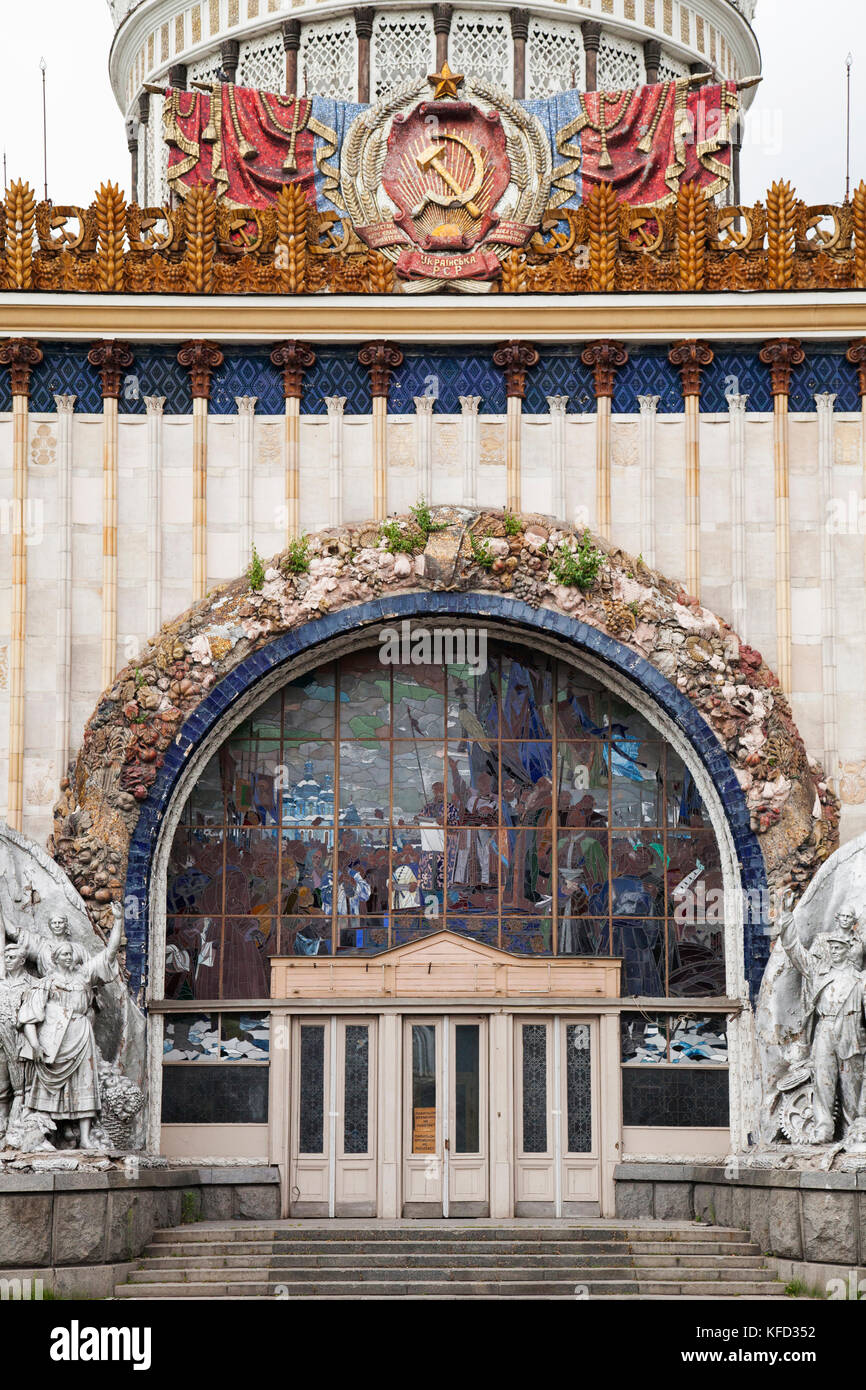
{"x":423,"y":1136}
{"x":466,"y":1145}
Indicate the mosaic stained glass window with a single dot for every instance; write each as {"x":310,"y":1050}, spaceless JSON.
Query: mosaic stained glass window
{"x":667,"y":1060}
{"x":365,"y":805}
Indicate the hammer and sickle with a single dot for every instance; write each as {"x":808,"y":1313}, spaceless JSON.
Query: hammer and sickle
{"x":431,"y":158}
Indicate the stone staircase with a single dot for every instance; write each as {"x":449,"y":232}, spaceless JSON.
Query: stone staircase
{"x":447,"y":1259}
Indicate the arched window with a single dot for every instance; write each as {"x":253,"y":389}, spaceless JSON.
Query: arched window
{"x":511,"y":798}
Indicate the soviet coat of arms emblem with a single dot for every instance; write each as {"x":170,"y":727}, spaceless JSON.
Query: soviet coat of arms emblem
{"x":446,"y":187}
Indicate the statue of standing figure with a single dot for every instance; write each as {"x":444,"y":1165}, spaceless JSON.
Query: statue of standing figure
{"x":834,"y":1031}
{"x":59,"y":1046}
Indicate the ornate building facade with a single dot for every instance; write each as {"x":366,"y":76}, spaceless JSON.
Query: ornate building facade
{"x":450,"y":834}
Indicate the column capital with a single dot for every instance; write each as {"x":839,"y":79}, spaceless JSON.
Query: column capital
{"x":230,"y":56}
{"x":514,"y":358}
{"x":292,"y":35}
{"x":691,"y":355}
{"x":201,"y":360}
{"x":652,"y":52}
{"x":605,"y":356}
{"x":293,"y":359}
{"x":65,"y":405}
{"x":178,"y":76}
{"x":154,"y":405}
{"x":424,"y":404}
{"x":592,"y":32}
{"x":856,"y":354}
{"x":737,"y":403}
{"x":112,"y":358}
{"x":132,"y":136}
{"x":825,"y":401}
{"x":442,"y":18}
{"x":558,"y":404}
{"x":782,"y":355}
{"x":381,"y":359}
{"x":364,"y":17}
{"x":335,"y":405}
{"x":20,"y":355}
{"x":246,"y":404}
{"x":649,"y":405}
{"x":144,"y":107}
{"x":469,"y":404}
{"x":520,"y":24}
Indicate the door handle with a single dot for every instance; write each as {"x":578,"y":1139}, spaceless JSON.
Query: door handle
{"x":448,"y":1145}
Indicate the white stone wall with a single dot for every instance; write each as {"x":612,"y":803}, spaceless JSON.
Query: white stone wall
{"x":246,"y":501}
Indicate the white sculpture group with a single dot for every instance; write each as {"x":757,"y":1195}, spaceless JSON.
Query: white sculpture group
{"x":49,"y":1061}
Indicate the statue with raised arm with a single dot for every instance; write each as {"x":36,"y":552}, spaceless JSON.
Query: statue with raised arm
{"x":833,"y":1003}
{"x":62,"y":1073}
{"x":38,"y":947}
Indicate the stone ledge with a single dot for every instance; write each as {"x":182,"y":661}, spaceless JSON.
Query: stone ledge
{"x":71,"y":1221}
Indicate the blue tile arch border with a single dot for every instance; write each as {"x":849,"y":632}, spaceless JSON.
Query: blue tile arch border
{"x":451,"y":605}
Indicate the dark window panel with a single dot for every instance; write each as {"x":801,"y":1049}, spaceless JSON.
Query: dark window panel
{"x":675,"y":1097}
{"x":311,"y":1130}
{"x":215,"y":1095}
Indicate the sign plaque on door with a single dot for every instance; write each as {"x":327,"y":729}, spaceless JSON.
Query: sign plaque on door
{"x":424,"y":1129}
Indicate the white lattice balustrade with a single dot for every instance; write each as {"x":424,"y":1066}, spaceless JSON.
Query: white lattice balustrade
{"x":403,"y":49}
{"x":328,"y":66}
{"x":554,"y":58}
{"x":480,"y":45}
{"x":263,"y":64}
{"x":620,"y":64}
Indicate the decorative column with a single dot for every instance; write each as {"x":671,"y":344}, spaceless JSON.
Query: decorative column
{"x":691,"y":356}
{"x":381,"y":359}
{"x":293,"y":359}
{"x":442,"y":28}
{"x":65,"y":406}
{"x":424,"y":445}
{"x":514,"y":359}
{"x":591,"y":43}
{"x":737,"y":467}
{"x":155,"y":406}
{"x":113,"y":359}
{"x":652,"y":52}
{"x":558,"y":406}
{"x":364,"y":32}
{"x":471,"y":449}
{"x":201,"y":360}
{"x":781,"y":355}
{"x":605,"y":357}
{"x":177,"y":76}
{"x":856,"y":354}
{"x":291,"y":44}
{"x":143,"y":125}
{"x":336,"y":406}
{"x":519,"y":35}
{"x":132,"y":146}
{"x":246,"y":434}
{"x":20,"y":355}
{"x":826,"y":453}
{"x":230,"y":57}
{"x":647,"y":464}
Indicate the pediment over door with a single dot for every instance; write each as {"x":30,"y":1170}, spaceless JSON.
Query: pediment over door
{"x":441,"y":965}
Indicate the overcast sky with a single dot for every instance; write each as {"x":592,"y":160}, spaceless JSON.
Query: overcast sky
{"x":796,"y":128}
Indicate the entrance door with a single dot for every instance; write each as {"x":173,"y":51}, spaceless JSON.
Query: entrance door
{"x":333,"y":1142}
{"x":446,"y":1123}
{"x":556,"y":1120}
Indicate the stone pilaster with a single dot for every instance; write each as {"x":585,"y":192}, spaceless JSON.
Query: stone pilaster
{"x":424,"y":445}
{"x":65,"y":406}
{"x":514,"y":360}
{"x":826,"y":457}
{"x":605,"y":357}
{"x":293,"y":359}
{"x":113,"y":360}
{"x":558,"y":407}
{"x":471,"y":449}
{"x":155,"y":406}
{"x":201,"y":360}
{"x":647,"y":465}
{"x":691,"y":357}
{"x":381,"y":359}
{"x":781,"y":355}
{"x":246,"y":441}
{"x":336,"y":406}
{"x":737,"y":469}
